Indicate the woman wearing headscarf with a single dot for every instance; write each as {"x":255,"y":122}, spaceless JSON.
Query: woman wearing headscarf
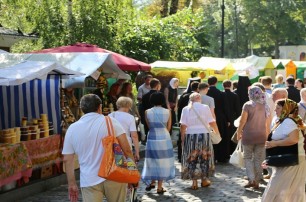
{"x":198,"y":153}
{"x":170,"y":93}
{"x":252,"y":131}
{"x":287,"y":183}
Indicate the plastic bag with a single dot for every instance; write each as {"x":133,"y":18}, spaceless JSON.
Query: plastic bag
{"x":237,"y":156}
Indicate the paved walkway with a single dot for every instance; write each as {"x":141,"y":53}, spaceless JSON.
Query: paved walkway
{"x":227,"y":185}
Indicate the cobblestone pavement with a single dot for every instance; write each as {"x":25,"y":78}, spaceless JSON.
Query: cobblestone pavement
{"x":227,"y":185}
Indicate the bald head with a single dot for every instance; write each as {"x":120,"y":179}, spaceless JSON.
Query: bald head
{"x":279,"y":93}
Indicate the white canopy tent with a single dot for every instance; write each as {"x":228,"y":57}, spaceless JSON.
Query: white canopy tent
{"x":30,"y":88}
{"x":30,"y":70}
{"x":179,"y":66}
{"x":214,"y":63}
{"x":90,"y":64}
{"x":243,"y":67}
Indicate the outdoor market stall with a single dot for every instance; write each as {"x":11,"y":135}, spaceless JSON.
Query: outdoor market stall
{"x":253,"y":66}
{"x":285,"y":67}
{"x":219,"y":67}
{"x":123,"y":62}
{"x":29,"y":91}
{"x":300,"y":69}
{"x":165,"y":70}
{"x":93,"y":65}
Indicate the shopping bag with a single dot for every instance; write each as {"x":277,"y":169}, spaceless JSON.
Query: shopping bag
{"x":215,"y":138}
{"x":237,"y":156}
{"x":142,"y":132}
{"x":114,"y":165}
{"x":282,"y":156}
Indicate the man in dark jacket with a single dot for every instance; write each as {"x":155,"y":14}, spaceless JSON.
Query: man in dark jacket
{"x":234,"y":110}
{"x":293,"y":93}
{"x":222,"y":152}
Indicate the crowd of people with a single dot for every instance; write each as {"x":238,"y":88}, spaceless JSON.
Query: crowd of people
{"x":261,"y":108}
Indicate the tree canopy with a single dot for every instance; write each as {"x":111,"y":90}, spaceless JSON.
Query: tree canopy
{"x":150,"y":30}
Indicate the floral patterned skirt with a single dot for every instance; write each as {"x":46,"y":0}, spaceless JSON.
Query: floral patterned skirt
{"x":197,"y":157}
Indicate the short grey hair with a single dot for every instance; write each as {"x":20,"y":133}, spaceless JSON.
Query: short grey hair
{"x":90,"y":103}
{"x":302,"y":91}
{"x":124,"y":102}
{"x":281,"y":93}
{"x":194,"y":96}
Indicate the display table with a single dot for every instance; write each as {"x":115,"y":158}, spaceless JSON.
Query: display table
{"x":44,"y":151}
{"x":18,"y":160}
{"x":15,"y":163}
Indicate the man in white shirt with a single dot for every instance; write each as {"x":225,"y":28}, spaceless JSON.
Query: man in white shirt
{"x":84,"y":138}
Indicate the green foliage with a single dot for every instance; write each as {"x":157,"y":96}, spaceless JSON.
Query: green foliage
{"x":139,"y":32}
{"x":260,"y":24}
{"x":179,"y":37}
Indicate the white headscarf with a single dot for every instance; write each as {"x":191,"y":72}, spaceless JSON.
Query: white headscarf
{"x":172,"y":81}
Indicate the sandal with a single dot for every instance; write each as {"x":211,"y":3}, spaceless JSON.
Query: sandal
{"x":205,"y":183}
{"x":150,"y":186}
{"x":256,"y":185}
{"x":249,"y":184}
{"x":161,"y":191}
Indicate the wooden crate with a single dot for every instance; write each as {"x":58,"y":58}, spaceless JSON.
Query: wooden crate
{"x":46,"y":171}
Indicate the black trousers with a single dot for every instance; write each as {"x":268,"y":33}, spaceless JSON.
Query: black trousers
{"x":179,"y":148}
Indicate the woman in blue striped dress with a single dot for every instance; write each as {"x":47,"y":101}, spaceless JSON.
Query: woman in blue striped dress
{"x":159,"y":160}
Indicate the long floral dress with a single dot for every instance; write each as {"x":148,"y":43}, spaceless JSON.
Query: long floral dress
{"x":198,"y":157}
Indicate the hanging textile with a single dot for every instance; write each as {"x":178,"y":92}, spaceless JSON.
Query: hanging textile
{"x":29,"y":100}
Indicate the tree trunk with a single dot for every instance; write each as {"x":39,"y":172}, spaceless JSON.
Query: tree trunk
{"x":276,"y":50}
{"x":164,"y":9}
{"x":187,"y":3}
{"x":174,"y":6}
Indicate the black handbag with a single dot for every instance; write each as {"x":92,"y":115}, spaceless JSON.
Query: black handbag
{"x":282,"y":156}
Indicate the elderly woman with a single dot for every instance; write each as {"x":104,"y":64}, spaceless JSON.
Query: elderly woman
{"x":287,"y":183}
{"x":253,"y":128}
{"x":198,"y":154}
{"x":159,"y":160}
{"x":302,"y":104}
{"x":127,"y":121}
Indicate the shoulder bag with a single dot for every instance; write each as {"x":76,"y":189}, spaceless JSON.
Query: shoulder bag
{"x":215,"y":138}
{"x":115,"y":166}
{"x":282,"y":156}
